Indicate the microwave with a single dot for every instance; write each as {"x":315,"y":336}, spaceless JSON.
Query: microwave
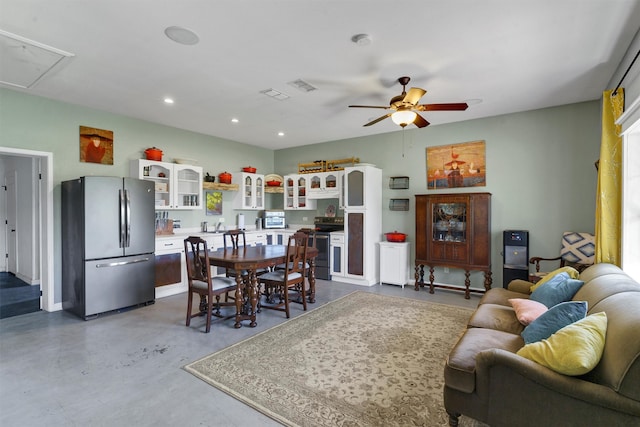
{"x":274,"y":219}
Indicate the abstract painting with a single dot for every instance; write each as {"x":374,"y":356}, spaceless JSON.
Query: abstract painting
{"x":214,"y":202}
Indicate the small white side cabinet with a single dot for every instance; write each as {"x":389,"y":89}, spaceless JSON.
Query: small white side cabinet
{"x":394,"y":263}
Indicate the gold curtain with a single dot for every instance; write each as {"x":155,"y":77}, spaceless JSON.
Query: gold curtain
{"x":609,"y":192}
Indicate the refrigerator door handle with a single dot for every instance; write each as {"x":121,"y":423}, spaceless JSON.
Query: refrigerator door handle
{"x":128,"y":219}
{"x":117,"y":264}
{"x":122,"y":220}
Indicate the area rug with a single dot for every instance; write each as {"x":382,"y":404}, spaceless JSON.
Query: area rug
{"x":362,"y":360}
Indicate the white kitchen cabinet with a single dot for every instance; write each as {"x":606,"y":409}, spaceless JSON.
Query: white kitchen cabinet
{"x":251,"y":194}
{"x":178,"y":186}
{"x":295,"y":193}
{"x":337,"y":254}
{"x":171,"y":266}
{"x":362,"y":193}
{"x":362,"y":187}
{"x":324,"y":185}
{"x":394,"y":263}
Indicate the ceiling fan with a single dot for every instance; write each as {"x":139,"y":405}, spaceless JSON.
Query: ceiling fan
{"x":405,"y":107}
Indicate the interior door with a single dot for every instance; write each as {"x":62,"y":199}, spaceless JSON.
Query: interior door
{"x":12,"y":215}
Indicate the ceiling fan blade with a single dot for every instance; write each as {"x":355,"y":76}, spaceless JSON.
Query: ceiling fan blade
{"x":369,"y":106}
{"x":379,"y":119}
{"x":460,"y":106}
{"x":413,"y":96}
{"x":420,"y":121}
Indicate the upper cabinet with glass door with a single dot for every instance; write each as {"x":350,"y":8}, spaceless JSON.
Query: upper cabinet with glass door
{"x":177,"y":186}
{"x":362,"y":188}
{"x":295,"y":193}
{"x":251,"y":194}
{"x":324,"y":185}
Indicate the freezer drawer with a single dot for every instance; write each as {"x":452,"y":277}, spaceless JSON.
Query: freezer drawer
{"x":115,"y":283}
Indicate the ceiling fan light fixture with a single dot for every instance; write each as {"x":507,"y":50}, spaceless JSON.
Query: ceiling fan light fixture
{"x":361,"y":39}
{"x":403,"y":118}
{"x":181,"y":35}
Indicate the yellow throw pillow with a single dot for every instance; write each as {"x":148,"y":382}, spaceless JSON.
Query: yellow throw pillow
{"x":574,"y":350}
{"x":572,"y":272}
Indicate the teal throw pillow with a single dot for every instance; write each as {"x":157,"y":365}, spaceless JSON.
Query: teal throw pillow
{"x":557,"y":290}
{"x":556,"y":318}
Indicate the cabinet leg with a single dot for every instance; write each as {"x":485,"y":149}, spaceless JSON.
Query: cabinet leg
{"x":431,"y":279}
{"x":488,"y":281}
{"x":419,"y":276}
{"x":467,"y":284}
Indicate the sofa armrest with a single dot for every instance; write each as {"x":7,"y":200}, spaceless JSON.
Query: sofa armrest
{"x":521,"y":286}
{"x":516,"y":371}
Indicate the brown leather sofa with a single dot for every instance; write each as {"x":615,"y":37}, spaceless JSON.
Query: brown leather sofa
{"x":486,"y":380}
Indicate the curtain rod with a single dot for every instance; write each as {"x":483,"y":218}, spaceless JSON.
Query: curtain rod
{"x":615,"y":91}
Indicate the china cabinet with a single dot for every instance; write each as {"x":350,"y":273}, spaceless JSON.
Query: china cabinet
{"x":177,"y":186}
{"x":453,"y":230}
{"x":251,"y":193}
{"x":295,"y":193}
{"x":324,"y":185}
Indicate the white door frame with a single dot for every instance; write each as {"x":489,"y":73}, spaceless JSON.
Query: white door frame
{"x":45,"y":222}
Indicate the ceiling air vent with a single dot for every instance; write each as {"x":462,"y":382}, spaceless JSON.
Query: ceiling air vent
{"x":25,"y":62}
{"x":302,"y":85}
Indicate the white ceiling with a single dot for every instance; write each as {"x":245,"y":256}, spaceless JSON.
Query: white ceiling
{"x":513,"y":55}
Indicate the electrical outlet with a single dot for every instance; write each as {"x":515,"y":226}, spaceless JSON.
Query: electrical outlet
{"x":446,"y":270}
{"x":304,"y":218}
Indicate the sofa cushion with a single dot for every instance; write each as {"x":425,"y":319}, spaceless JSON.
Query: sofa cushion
{"x":556,"y":291}
{"x":500,"y":296}
{"x":573,"y":350}
{"x":495,"y":316}
{"x":619,"y":367}
{"x":527,"y":310}
{"x":570,"y":271}
{"x":556,"y":318}
{"x":459,"y":371}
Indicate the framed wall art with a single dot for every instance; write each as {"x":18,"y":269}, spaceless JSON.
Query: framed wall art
{"x":213,"y":200}
{"x":96,"y":145}
{"x":456,"y":165}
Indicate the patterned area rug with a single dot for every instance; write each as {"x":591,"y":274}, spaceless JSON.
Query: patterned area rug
{"x":362,"y":360}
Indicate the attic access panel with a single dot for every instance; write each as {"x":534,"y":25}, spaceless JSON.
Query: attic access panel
{"x":24,"y":62}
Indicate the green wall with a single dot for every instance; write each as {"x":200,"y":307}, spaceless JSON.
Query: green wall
{"x":539,"y":164}
{"x":540,"y":171}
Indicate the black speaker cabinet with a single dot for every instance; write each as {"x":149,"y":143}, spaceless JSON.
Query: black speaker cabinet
{"x":515,"y":252}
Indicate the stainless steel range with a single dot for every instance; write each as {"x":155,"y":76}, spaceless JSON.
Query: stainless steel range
{"x":324,"y":225}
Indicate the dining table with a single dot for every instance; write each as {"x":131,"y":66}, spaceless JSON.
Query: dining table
{"x":248,"y":260}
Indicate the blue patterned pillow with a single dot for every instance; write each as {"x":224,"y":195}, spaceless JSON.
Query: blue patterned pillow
{"x":559,"y":289}
{"x":556,"y":318}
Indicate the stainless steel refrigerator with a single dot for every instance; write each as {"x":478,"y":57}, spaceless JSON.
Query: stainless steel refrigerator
{"x":108,"y":243}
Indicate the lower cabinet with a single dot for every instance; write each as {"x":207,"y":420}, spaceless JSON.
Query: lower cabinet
{"x":171,"y":266}
{"x":394,"y":263}
{"x":336,"y":256}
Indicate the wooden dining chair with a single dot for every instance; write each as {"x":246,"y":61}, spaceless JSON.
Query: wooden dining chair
{"x":200,"y":282}
{"x":279,"y":285}
{"x":236,"y":239}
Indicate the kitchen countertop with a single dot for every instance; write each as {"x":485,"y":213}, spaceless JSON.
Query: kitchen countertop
{"x":182,"y":233}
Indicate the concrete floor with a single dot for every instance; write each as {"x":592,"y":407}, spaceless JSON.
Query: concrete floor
{"x":124,"y":369}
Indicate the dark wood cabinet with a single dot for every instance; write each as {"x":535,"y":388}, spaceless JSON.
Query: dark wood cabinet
{"x":453,"y":230}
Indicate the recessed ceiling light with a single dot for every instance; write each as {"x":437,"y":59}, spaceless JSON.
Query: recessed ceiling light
{"x":168,"y":101}
{"x":234,"y":120}
{"x":181,"y":35}
{"x":280,"y":133}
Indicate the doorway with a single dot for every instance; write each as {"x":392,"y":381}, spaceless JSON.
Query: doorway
{"x":43,"y":221}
